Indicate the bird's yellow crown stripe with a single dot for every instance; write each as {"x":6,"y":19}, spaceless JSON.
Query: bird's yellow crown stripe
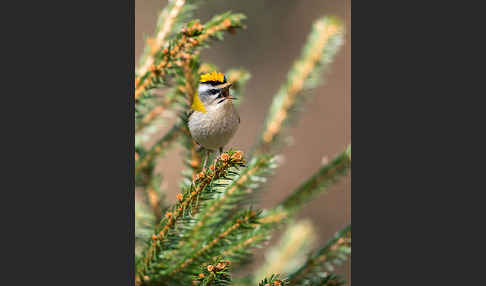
{"x":214,"y":76}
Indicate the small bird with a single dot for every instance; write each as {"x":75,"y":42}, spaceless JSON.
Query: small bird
{"x":214,"y":119}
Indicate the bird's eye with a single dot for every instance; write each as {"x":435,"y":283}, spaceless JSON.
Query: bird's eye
{"x":213,"y":91}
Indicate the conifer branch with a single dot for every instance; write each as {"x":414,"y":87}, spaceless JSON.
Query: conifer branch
{"x":154,"y":202}
{"x":319,"y":181}
{"x":144,"y":224}
{"x":204,"y":224}
{"x":241,"y":249}
{"x":290,"y":251}
{"x":166,"y":21}
{"x":215,"y":210}
{"x":329,"y":280}
{"x":334,"y":252}
{"x":190,"y":81}
{"x":322,"y":45}
{"x":207,"y":68}
{"x":241,"y":186}
{"x":152,"y":198}
{"x":316,"y":184}
{"x":186,"y":43}
{"x":242,"y":221}
{"x":153,"y":114}
{"x":187,"y":202}
{"x":155,"y":196}
{"x":214,"y":274}
{"x":144,"y":159}
{"x":273,"y":280}
{"x":227,"y":194}
{"x":202,"y":181}
{"x":275,"y":216}
{"x":242,"y":281}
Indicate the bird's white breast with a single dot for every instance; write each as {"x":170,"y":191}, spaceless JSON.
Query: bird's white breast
{"x":214,"y":129}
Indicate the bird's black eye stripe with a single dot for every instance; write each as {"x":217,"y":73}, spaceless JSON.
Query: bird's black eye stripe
{"x":213,"y":91}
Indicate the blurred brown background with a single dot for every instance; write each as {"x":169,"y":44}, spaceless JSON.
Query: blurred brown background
{"x":276,"y":31}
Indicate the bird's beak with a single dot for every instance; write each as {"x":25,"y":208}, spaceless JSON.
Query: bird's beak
{"x":225,"y":88}
{"x":227,"y":91}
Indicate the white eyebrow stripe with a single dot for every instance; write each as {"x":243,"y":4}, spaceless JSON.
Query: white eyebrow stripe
{"x":204,"y":88}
